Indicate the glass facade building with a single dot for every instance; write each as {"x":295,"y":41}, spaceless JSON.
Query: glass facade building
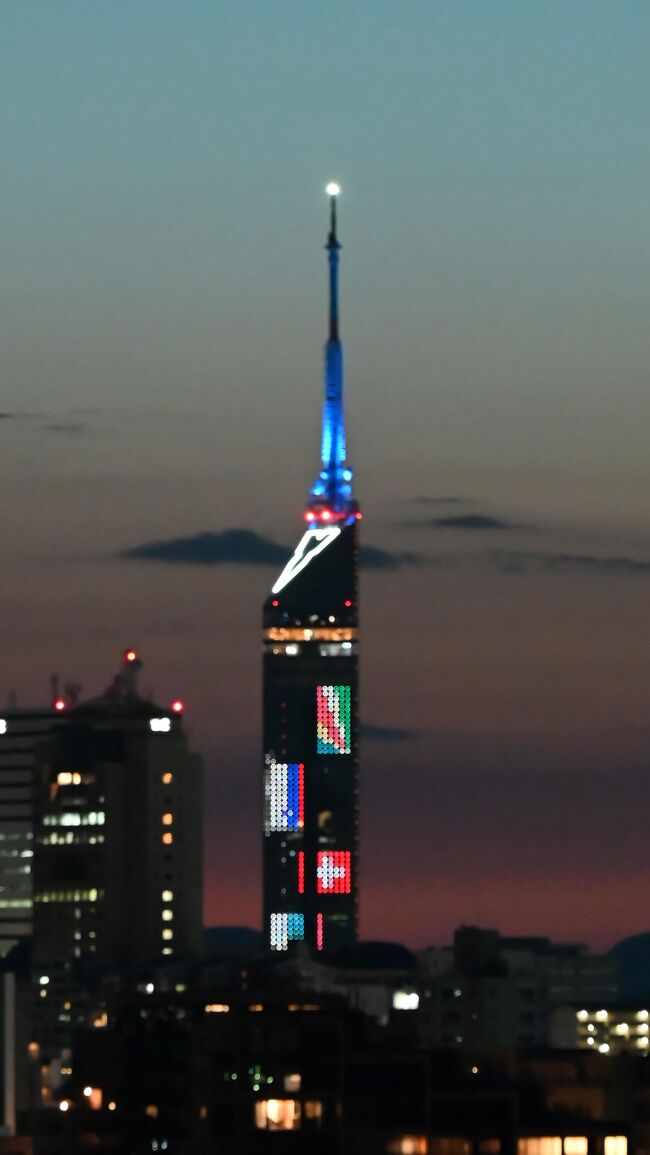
{"x":20,"y":732}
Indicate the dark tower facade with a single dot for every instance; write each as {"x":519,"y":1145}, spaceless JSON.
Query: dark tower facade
{"x":310,"y":699}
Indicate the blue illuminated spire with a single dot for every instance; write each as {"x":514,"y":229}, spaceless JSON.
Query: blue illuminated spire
{"x":332,"y":492}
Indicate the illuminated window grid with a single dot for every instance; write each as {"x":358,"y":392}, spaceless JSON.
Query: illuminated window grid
{"x":284,"y":796}
{"x":286,"y":928}
{"x":301,"y":872}
{"x":317,"y":634}
{"x":333,"y":720}
{"x":333,"y":872}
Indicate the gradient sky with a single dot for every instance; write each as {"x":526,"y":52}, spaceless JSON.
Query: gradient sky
{"x":162,"y":312}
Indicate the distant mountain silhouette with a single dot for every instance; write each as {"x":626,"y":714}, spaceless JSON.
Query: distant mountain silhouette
{"x":633,"y":963}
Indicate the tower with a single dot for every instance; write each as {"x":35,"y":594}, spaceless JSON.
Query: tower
{"x":310,"y":696}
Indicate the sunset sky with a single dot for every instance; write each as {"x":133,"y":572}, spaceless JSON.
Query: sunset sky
{"x":162,"y":314}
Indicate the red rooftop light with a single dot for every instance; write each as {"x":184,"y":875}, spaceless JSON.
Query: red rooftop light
{"x":348,"y":602}
{"x":275,"y":602}
{"x":59,"y":704}
{"x":178,"y":706}
{"x":130,"y":656}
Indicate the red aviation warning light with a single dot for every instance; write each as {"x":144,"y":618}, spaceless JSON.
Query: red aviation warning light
{"x":177,"y":706}
{"x":130,"y":656}
{"x":59,"y":704}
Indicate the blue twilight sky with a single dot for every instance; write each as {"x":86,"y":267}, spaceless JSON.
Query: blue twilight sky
{"x":162,"y":310}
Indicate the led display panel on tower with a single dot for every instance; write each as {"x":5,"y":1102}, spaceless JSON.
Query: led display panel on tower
{"x":310,"y":757}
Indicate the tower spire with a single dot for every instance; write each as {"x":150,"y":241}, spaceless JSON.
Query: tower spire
{"x":331,"y":495}
{"x":333,"y":248}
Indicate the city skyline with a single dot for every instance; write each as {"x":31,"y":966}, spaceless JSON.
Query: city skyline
{"x":162,"y":317}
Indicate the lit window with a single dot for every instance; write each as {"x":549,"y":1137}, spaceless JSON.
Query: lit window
{"x":292,"y":1083}
{"x":621,"y":1029}
{"x":167,"y":915}
{"x":160,"y":725}
{"x":167,"y":819}
{"x":576,"y":1145}
{"x":582,"y":1016}
{"x":167,"y":950}
{"x":604,"y":1048}
{"x":167,"y":778}
{"x":3,"y":726}
{"x":642,"y":1014}
{"x":167,"y":838}
{"x":167,"y":933}
{"x":406,"y":1000}
{"x":216,"y":1009}
{"x":64,"y":778}
{"x":615,"y":1145}
{"x":167,"y":895}
{"x":284,"y":1115}
{"x":602,"y":1016}
{"x":313,"y":1109}
{"x":410,"y":1145}
{"x":546,"y":1145}
{"x":151,"y":1110}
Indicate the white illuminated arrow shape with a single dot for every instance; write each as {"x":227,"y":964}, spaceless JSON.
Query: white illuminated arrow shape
{"x":313,"y":543}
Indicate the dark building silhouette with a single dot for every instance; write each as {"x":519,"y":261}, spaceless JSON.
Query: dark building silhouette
{"x":311,"y":760}
{"x":117,"y":847}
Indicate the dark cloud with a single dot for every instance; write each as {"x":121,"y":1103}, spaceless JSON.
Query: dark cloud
{"x":440,"y":500}
{"x":385,"y":733}
{"x":243,"y":547}
{"x":65,"y":427}
{"x":479,"y":521}
{"x":19,"y":416}
{"x":373,"y":557}
{"x":522,"y":562}
{"x":474,"y":522}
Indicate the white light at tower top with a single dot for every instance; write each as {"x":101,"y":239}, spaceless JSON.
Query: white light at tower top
{"x":333,"y":189}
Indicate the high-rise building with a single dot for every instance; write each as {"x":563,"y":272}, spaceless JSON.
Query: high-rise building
{"x":311,"y":756}
{"x":20,"y":731}
{"x":117,"y":844}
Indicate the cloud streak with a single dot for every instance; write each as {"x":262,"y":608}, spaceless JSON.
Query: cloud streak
{"x":243,"y":547}
{"x":373,"y":733}
{"x":471,"y":521}
{"x":517,"y":562}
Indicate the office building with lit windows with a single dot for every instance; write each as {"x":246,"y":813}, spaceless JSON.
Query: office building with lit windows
{"x":20,"y":732}
{"x":310,"y":698}
{"x":117,"y":844}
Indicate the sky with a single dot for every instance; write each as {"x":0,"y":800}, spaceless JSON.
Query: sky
{"x":162,"y":314}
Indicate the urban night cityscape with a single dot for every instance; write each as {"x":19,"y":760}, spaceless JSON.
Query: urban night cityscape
{"x":324,"y":737}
